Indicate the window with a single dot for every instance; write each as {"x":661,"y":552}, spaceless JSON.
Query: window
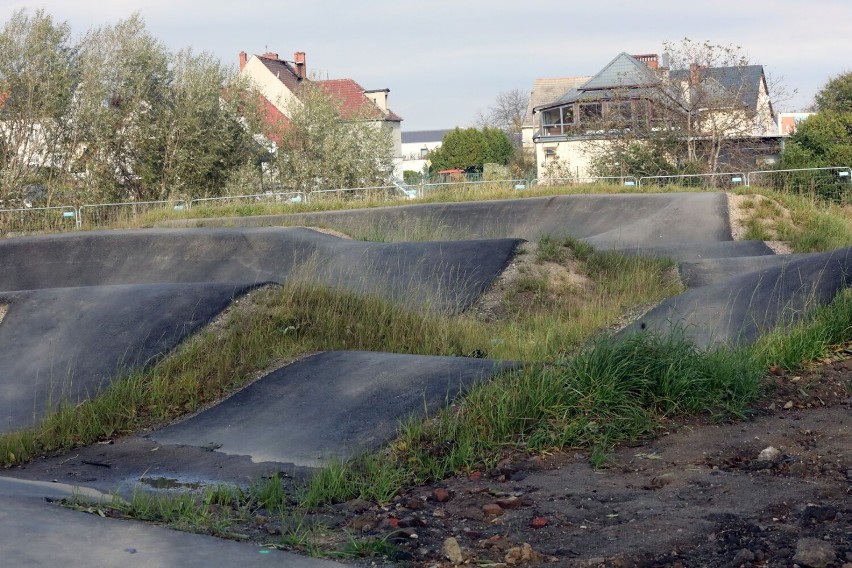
{"x":591,"y":112}
{"x":557,"y":121}
{"x":424,"y":152}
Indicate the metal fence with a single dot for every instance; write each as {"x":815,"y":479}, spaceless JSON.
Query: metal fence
{"x":364,"y":194}
{"x":37,"y":220}
{"x":266,"y":198}
{"x":103,"y":214}
{"x":702,"y":181}
{"x":628,"y":181}
{"x":830,"y":183}
{"x":446,"y":187}
{"x":833,"y":184}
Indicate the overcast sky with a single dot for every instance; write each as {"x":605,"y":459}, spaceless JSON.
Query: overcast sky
{"x":444,"y":60}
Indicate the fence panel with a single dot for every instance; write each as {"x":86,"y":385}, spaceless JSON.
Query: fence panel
{"x":716,"y":181}
{"x":360,"y":194}
{"x":117,"y":214}
{"x":466,"y":187}
{"x":37,"y":220}
{"x":629,"y":181}
{"x":832,"y":184}
{"x":269,"y":199}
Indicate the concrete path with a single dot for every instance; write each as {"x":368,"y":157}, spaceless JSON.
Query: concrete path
{"x":37,"y":533}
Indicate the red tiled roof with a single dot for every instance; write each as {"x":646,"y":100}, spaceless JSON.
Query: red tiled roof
{"x":352,"y":99}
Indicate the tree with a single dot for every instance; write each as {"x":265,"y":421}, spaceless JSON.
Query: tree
{"x":507,"y":113}
{"x":38,"y":76}
{"x":836,"y":95}
{"x":469,"y":149}
{"x":319,"y":149}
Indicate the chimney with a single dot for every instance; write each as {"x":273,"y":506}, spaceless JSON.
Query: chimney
{"x":243,"y":59}
{"x":301,"y":68}
{"x":694,"y":73}
{"x":270,"y":55}
{"x":649,"y":59}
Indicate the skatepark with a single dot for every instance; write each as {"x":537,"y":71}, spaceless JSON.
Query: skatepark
{"x":82,"y":309}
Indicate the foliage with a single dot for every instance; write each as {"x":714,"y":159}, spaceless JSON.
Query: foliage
{"x":824,"y":139}
{"x":116,"y":116}
{"x":38,"y":76}
{"x":635,"y":159}
{"x":507,"y":113}
{"x":836,"y":95}
{"x":319,"y":149}
{"x":469,"y":149}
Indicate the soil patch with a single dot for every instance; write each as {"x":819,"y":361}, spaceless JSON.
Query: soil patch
{"x":742,"y":211}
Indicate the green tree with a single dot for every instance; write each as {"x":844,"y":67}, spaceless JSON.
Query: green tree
{"x":836,"y":95}
{"x":822,"y":140}
{"x":38,"y":76}
{"x":319,"y":149}
{"x":469,"y":149}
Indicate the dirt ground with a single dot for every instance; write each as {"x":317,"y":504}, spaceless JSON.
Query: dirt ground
{"x":700,"y":494}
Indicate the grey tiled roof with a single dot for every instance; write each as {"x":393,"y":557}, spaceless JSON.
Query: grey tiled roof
{"x":726,"y":86}
{"x":419,"y":136}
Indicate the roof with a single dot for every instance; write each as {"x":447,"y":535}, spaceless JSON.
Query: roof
{"x":623,"y":71}
{"x":545,"y":91}
{"x":421,"y":136}
{"x":282,"y":70}
{"x":353,"y":101}
{"x":728,"y":85}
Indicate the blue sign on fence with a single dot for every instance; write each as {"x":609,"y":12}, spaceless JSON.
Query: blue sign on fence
{"x":68,"y":214}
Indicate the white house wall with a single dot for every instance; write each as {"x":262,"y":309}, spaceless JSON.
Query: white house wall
{"x":270,"y":86}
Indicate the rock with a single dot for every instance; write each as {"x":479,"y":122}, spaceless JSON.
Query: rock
{"x":414,"y":504}
{"x":788,"y":405}
{"x":813,"y":553}
{"x":538,"y":522}
{"x":440,"y":495}
{"x":497,"y":542}
{"x":452,"y":551}
{"x":472,"y":513}
{"x":363,"y":524}
{"x":357,"y":505}
{"x":818,"y":513}
{"x":492,"y":509}
{"x":660,"y":481}
{"x":523,"y":554}
{"x":743,"y":556}
{"x":509,"y":502}
{"x":769,"y":454}
{"x":476,"y":476}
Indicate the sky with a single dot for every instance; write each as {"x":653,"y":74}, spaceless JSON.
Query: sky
{"x":446,"y":60}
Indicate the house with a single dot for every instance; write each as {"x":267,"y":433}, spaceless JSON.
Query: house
{"x":709,"y":110}
{"x":544,"y":91}
{"x":416,"y":146}
{"x":278,"y":82}
{"x":789,"y":121}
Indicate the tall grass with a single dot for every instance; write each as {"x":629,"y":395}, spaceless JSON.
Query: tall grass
{"x":281,"y":323}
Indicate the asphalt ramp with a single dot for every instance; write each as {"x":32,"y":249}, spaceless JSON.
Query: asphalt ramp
{"x":331,"y":405}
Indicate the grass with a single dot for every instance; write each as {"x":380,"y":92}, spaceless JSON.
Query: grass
{"x":279,"y":324}
{"x":806,"y":223}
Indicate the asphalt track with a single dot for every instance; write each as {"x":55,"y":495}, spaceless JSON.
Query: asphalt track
{"x":331,"y":405}
{"x":82,"y":307}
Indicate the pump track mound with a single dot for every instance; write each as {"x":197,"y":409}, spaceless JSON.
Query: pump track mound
{"x":82,"y":308}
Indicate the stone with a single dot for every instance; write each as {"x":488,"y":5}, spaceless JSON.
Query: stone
{"x":472,"y":513}
{"x":743,"y":556}
{"x":492,"y":509}
{"x":509,"y":502}
{"x":357,"y":505}
{"x":414,"y":504}
{"x":769,"y":454}
{"x":523,"y":554}
{"x":452,"y":551}
{"x":813,"y":553}
{"x":538,"y":522}
{"x":440,"y":495}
